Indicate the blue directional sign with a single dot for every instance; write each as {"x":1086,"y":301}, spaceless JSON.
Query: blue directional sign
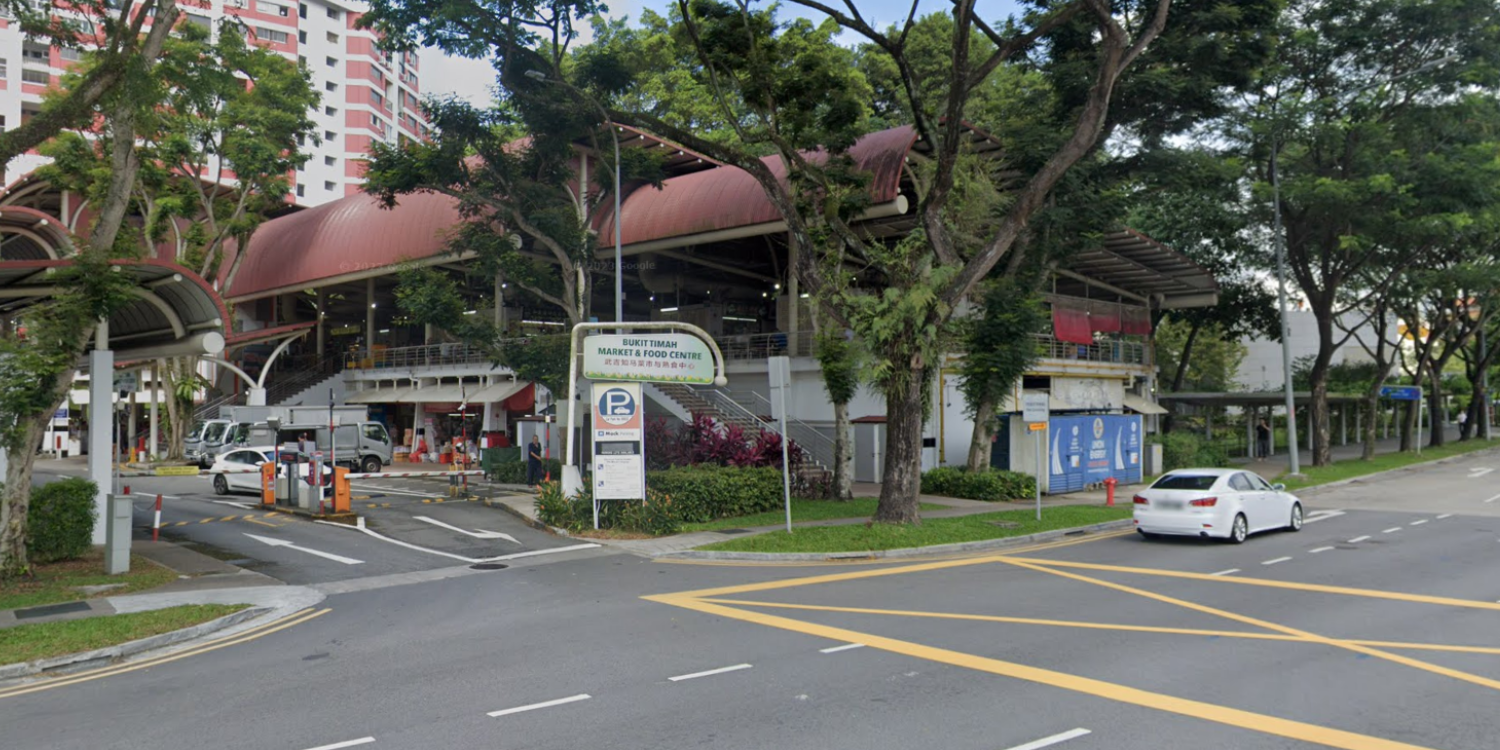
{"x":1401,"y":392}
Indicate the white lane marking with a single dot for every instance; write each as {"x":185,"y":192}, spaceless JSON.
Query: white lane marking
{"x":1493,"y":499}
{"x":1418,"y":523}
{"x":1445,"y":515}
{"x":1225,"y":572}
{"x":537,"y":552}
{"x":319,"y":553}
{"x":398,"y":542}
{"x":1277,"y":560}
{"x":1391,"y":530}
{"x":1358,"y":539}
{"x":836,"y":649}
{"x":477,"y":533}
{"x":391,"y":491}
{"x":720,"y":670}
{"x":1071,"y":734}
{"x":1320,"y":549}
{"x":1321,"y":515}
{"x":543,"y":704}
{"x":350,"y":743}
{"x":1476,"y":472}
{"x":245,"y":506}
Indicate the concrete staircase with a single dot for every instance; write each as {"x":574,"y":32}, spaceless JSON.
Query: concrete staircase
{"x":723,"y":409}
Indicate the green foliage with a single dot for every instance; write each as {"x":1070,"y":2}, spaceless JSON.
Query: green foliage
{"x":1347,"y":378}
{"x":704,"y":493}
{"x":1187,"y":450}
{"x":60,"y":523}
{"x":841,"y":361}
{"x":514,"y":472}
{"x":1215,"y":357}
{"x":991,"y":484}
{"x":998,"y":343}
{"x":654,"y":516}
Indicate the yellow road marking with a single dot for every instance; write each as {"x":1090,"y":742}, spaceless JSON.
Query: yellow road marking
{"x":1310,"y":587}
{"x":1196,"y":709}
{"x":1314,"y":637}
{"x":296,"y":618}
{"x":1106,"y":626}
{"x":986,"y":556}
{"x":229,"y":518}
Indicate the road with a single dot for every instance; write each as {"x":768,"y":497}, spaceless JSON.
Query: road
{"x":1374,"y":628}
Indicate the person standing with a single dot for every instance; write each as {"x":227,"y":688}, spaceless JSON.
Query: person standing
{"x":1463,"y":424}
{"x":1263,"y":439}
{"x":534,"y":461}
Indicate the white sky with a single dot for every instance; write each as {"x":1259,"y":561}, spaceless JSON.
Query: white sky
{"x":472,"y":79}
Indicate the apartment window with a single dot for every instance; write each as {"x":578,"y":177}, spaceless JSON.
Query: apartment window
{"x":271,"y":9}
{"x":34,"y":52}
{"x":330,"y":62}
{"x":300,"y":191}
{"x":330,"y":111}
{"x":69,"y":54}
{"x":375,"y":119}
{"x":302,"y":37}
{"x":4,"y":68}
{"x":330,"y":161}
{"x":302,"y":10}
{"x":333,"y":38}
{"x":330,"y":86}
{"x":36,"y":76}
{"x":203,"y":21}
{"x":270,"y":35}
{"x":301,"y":61}
{"x":329,"y":135}
{"x":333,"y":13}
{"x":328,"y":185}
{"x":301,"y":140}
{"x":377,"y":98}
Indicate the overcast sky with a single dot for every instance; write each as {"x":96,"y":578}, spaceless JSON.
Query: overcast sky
{"x":471,"y":79}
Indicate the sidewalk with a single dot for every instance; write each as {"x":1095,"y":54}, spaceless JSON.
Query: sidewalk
{"x":1280,"y":461}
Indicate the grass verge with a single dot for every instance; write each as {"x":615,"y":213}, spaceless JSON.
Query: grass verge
{"x":57,"y":582}
{"x":802,"y":510}
{"x":861,"y":538}
{"x":49,"y":639}
{"x":1352,"y":468}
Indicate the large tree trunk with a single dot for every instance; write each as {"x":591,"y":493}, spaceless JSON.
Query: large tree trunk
{"x":16,"y":500}
{"x":1322,"y":452}
{"x":979,"y":443}
{"x":1409,"y":425}
{"x":1436,"y":417}
{"x":901,"y":479}
{"x":1478,"y":411}
{"x":1371,"y":408}
{"x":843,"y":453}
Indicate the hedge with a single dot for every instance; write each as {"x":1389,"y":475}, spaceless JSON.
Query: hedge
{"x":655,"y":515}
{"x":705,"y":493}
{"x":60,"y":523}
{"x":990,"y":484}
{"x":1186,"y":450}
{"x":514,"y":472}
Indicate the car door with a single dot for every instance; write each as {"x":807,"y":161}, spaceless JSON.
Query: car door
{"x":240,"y":461}
{"x":1249,"y":500}
{"x":1278,"y":504}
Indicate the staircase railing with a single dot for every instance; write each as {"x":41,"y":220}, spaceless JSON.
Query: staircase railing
{"x":210,"y":409}
{"x":819,"y":446}
{"x":292,"y":383}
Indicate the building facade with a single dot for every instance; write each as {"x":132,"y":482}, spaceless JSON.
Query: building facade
{"x":368,"y":95}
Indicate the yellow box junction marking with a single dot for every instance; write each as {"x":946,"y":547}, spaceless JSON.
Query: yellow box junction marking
{"x":176,"y":471}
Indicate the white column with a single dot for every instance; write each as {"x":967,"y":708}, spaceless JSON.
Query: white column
{"x":322,"y":322}
{"x":130,"y":427}
{"x":793,"y":297}
{"x":370,"y":318}
{"x":151,"y":449}
{"x":101,"y":426}
{"x":1344,"y":424}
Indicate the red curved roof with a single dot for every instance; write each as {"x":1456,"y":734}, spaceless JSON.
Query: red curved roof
{"x":348,"y":238}
{"x":728,"y":197}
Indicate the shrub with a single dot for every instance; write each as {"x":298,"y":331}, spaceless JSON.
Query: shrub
{"x":706,"y":442}
{"x":704,"y":493}
{"x":1185,"y":450}
{"x":656,"y":515}
{"x":990,"y":485}
{"x":60,"y":524}
{"x":514,"y":472}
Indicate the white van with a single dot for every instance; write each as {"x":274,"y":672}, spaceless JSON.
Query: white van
{"x":365,"y":446}
{"x":210,"y":439}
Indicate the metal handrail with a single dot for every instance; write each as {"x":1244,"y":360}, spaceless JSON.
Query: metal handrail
{"x":819,"y":446}
{"x":1120,"y":352}
{"x":417,"y":356}
{"x":762,"y":345}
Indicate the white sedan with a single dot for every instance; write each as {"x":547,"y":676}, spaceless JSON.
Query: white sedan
{"x":233,"y":469}
{"x":1223,"y":503}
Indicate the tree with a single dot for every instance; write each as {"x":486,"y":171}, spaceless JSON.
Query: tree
{"x":998,"y":348}
{"x":1215,"y":362}
{"x":36,"y":373}
{"x":840,"y":361}
{"x":1374,"y":119}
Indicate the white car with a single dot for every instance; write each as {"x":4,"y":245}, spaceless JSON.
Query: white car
{"x":235,"y":463}
{"x":1222,"y":503}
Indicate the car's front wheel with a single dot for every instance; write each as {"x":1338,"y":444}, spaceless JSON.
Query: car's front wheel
{"x":370,"y":464}
{"x":221,"y":484}
{"x":1239,"y":530}
{"x":1295,"y":524}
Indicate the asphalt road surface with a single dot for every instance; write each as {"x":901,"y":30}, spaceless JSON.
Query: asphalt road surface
{"x":1374,"y":628}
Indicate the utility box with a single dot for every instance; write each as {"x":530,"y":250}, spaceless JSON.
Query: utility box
{"x":869,"y":449}
{"x":117,"y":535}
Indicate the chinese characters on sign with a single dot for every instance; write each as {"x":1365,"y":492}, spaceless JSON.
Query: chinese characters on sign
{"x":658,"y":358}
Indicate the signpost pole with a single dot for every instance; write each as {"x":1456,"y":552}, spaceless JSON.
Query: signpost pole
{"x":1036,"y":411}
{"x":1037,"y":434}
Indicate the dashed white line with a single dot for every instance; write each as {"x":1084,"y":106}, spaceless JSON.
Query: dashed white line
{"x":1071,"y":734}
{"x":1477,"y":473}
{"x":1358,"y":539}
{"x":1493,"y":499}
{"x":1445,"y":515}
{"x":1418,"y":523}
{"x":1320,"y":549}
{"x":1226,"y":572}
{"x":836,"y":649}
{"x":1277,"y":560}
{"x":1391,"y":530}
{"x":543,"y":704}
{"x":350,"y":743}
{"x":709,"y":673}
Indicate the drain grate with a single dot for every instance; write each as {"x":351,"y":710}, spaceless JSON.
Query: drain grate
{"x":488,"y":566}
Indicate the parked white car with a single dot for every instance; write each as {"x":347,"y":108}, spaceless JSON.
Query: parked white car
{"x":234,"y":464}
{"x":1229,"y":504}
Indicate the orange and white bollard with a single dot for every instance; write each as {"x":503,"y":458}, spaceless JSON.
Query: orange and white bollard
{"x":156,"y":524}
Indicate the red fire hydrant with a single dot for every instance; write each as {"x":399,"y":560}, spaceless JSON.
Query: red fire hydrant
{"x":1109,"y":488}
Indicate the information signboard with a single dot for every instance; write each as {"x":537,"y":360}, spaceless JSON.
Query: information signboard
{"x":619,"y":465}
{"x":648,"y":357}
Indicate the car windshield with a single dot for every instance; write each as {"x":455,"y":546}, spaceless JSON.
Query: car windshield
{"x":214,"y":431}
{"x":1185,"y":482}
{"x":197,"y":431}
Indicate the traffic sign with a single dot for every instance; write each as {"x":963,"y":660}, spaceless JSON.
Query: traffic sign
{"x":1401,"y":392}
{"x":1035,"y":407}
{"x":1037,"y":426}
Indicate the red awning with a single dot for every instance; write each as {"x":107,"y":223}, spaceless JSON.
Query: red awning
{"x":1136,"y":321}
{"x":1071,"y":324}
{"x":523,"y":401}
{"x":1104,"y":317}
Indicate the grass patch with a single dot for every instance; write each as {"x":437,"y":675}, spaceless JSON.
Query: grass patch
{"x":861,"y":538}
{"x":56,"y":582}
{"x":802,"y":510}
{"x":1351,"y":468}
{"x":48,"y":639}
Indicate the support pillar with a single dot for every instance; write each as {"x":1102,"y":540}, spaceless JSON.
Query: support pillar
{"x":1344,"y":424}
{"x":130,"y":428}
{"x":1249,"y":433}
{"x":151,"y":443}
{"x":500,"y":305}
{"x":370,"y":320}
{"x":794,"y":298}
{"x":101,"y":427}
{"x":322,"y":323}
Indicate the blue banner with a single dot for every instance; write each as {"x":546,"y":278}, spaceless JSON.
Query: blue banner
{"x":1087,"y":450}
{"x":1401,"y":392}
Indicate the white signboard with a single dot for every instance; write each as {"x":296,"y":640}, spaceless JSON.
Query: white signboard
{"x":648,"y":357}
{"x":125,"y":382}
{"x":619,"y":466}
{"x":1035,"y":407}
{"x":779,"y":370}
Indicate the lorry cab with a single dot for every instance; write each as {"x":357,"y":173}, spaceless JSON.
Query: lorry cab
{"x":211,"y":439}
